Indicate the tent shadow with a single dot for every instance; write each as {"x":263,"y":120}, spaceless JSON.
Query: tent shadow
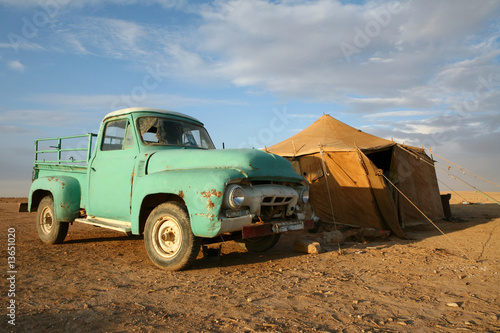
{"x":463,"y":217}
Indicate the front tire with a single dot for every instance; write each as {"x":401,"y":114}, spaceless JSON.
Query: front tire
{"x":49,"y":230}
{"x":169,"y":240}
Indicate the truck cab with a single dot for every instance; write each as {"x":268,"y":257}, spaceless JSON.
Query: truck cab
{"x":157,"y":173}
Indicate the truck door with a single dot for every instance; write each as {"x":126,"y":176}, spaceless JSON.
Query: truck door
{"x":110,"y":174}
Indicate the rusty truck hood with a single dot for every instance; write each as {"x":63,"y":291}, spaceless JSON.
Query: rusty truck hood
{"x":250,"y":163}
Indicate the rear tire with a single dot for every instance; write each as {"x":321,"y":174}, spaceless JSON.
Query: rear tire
{"x":259,"y":244}
{"x":169,"y":240}
{"x":49,"y":230}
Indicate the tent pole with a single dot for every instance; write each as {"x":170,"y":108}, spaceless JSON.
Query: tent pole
{"x":325,"y":172}
{"x":328,"y":190}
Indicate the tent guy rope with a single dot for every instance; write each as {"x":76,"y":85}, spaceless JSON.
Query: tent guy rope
{"x":462,"y":169}
{"x":447,"y":171}
{"x":452,"y":190}
{"x":469,"y":185}
{"x":428,"y":219}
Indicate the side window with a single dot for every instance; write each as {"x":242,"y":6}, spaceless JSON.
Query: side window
{"x":129,"y":138}
{"x":117,"y":136}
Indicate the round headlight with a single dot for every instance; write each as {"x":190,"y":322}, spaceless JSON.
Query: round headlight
{"x":235,"y":196}
{"x":304,"y":196}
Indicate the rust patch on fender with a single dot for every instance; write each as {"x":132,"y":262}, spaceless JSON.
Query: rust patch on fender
{"x":207,"y":194}
{"x":212,"y":192}
{"x":208,"y":215}
{"x":210,"y":204}
{"x":181,"y":194}
{"x":64,"y":205}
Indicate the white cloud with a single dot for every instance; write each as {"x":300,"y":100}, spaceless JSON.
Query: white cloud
{"x":176,"y":4}
{"x":104,"y":37}
{"x":380,"y":60}
{"x":39,"y":118}
{"x":406,"y":56}
{"x":17,"y":66}
{"x":22,"y":44}
{"x":442,"y":23}
{"x":403,"y":140}
{"x":110,"y":102}
{"x":390,"y":101}
{"x":426,"y":129}
{"x":303,"y":115}
{"x":441,"y":130}
{"x":10,"y":129}
{"x":393,"y":114}
{"x":422,"y":59}
{"x":293,"y":48}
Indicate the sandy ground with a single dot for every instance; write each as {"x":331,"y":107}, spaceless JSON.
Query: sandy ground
{"x":102,"y":281}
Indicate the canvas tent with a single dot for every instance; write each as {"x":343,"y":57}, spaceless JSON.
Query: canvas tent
{"x":344,"y":165}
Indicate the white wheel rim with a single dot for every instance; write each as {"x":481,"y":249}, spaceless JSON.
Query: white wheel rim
{"x":47,"y":220}
{"x":166,"y":236}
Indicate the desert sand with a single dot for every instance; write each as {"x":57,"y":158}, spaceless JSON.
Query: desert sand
{"x":102,"y":281}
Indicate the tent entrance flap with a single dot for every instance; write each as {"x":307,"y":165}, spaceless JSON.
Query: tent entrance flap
{"x":352,"y":197}
{"x":382,"y":195}
{"x":381,"y":158}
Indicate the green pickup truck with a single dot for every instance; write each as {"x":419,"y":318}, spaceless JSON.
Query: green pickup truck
{"x":157,"y":173}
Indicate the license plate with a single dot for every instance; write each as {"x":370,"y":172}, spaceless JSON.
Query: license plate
{"x":288,"y":226}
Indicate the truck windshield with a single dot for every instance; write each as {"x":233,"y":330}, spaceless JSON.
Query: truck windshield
{"x":159,"y":131}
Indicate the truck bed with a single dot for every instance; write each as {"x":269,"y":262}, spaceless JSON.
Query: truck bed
{"x":64,"y":157}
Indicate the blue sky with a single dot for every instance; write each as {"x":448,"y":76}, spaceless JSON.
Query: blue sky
{"x":255,"y":72}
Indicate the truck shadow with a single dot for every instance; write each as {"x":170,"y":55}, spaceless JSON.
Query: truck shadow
{"x":235,"y":259}
{"x":232,"y":254}
{"x":103,"y":239}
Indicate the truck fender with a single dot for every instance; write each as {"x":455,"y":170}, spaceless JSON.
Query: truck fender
{"x":66,"y":192}
{"x":203,"y":199}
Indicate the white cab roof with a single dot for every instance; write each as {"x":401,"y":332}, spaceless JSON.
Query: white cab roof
{"x":146,"y":109}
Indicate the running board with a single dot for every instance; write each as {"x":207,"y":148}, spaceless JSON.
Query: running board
{"x":108,"y":224}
